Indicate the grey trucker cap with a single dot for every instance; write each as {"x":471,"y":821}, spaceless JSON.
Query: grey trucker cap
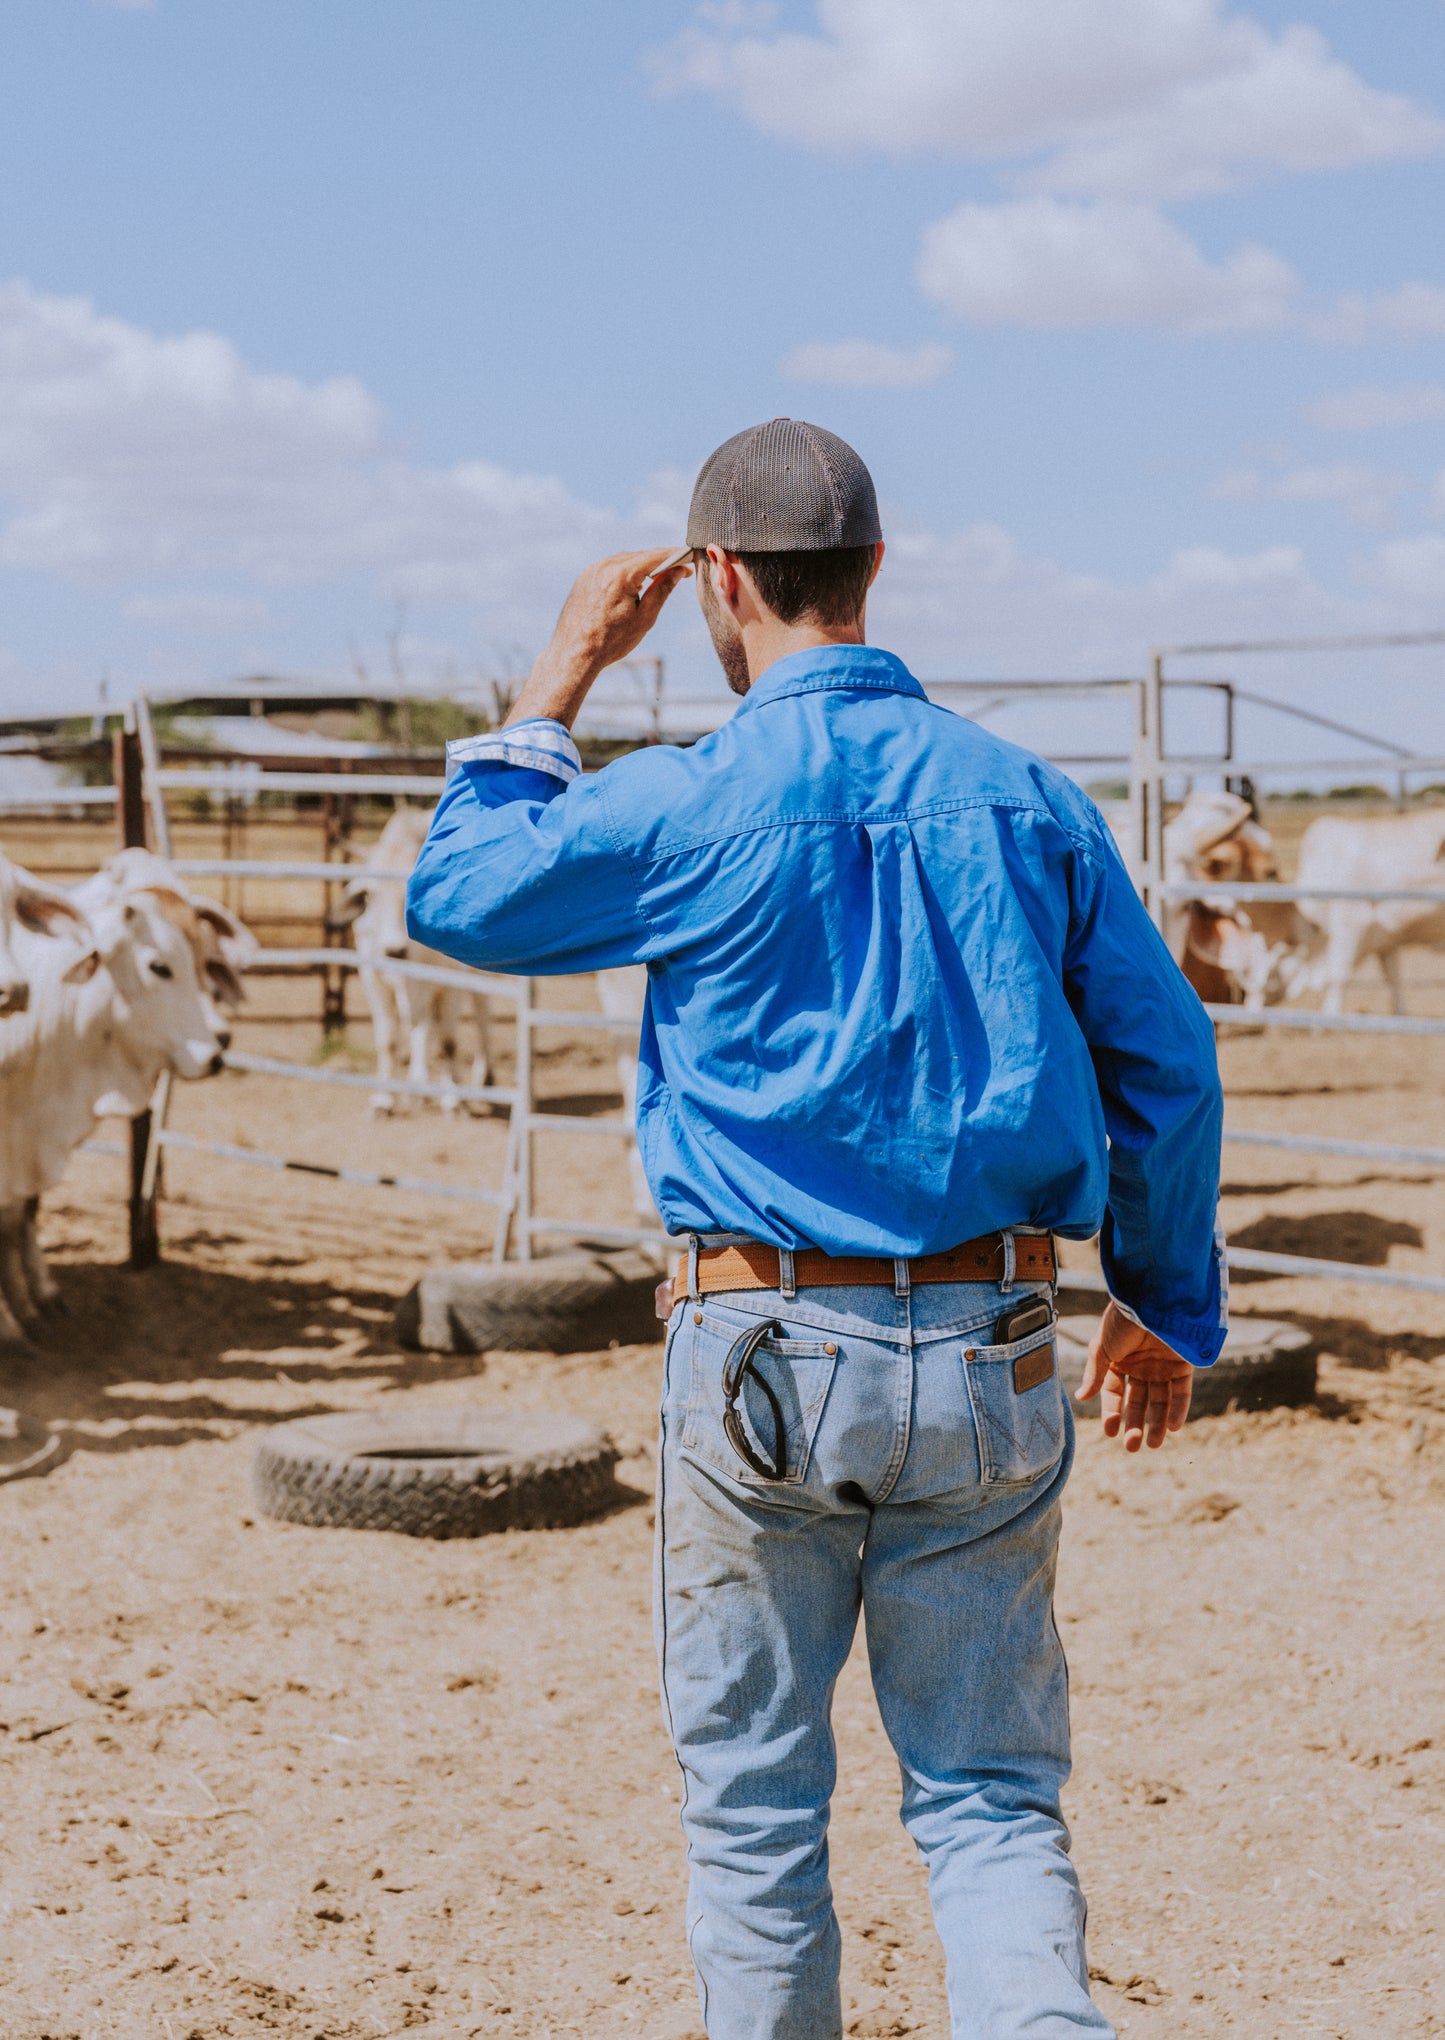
{"x":783,"y":487}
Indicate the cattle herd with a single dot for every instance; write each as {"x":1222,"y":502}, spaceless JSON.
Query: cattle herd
{"x":1260,"y":952}
{"x":129,"y":975}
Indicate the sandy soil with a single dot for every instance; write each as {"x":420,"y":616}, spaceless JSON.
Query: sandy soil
{"x":261,"y":1780}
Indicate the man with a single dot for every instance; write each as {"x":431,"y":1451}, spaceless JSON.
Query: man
{"x":906,"y":1019}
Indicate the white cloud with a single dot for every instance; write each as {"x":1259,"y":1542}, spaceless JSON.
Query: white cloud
{"x":1367,"y":410}
{"x":1142,"y":98}
{"x":1365,"y":494}
{"x":124,"y":453}
{"x":868,"y":364}
{"x":1414,"y":312}
{"x":1069,"y":263}
{"x":1196,"y":569}
{"x":1051,"y":262}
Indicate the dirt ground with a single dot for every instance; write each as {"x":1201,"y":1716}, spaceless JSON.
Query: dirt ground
{"x":268,"y":1781}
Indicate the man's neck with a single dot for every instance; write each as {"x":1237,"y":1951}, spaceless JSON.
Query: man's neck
{"x":766,"y":640}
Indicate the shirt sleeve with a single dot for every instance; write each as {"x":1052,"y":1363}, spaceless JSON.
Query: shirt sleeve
{"x":522,"y":869}
{"x":1154,"y":1058}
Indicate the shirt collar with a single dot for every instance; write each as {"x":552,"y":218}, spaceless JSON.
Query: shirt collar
{"x":827,"y":667}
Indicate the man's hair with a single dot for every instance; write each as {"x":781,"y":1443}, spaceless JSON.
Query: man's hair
{"x":828,"y":587}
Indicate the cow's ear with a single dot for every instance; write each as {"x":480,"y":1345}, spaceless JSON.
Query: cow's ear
{"x":83,"y":969}
{"x":225,"y":924}
{"x":49,"y":913}
{"x":350,"y":907}
{"x":224,"y":983}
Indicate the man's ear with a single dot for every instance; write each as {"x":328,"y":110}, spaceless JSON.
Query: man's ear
{"x":725,"y":580}
{"x":878,"y":552}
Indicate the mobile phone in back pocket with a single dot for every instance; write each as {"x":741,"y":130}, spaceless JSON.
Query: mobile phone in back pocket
{"x":1030,"y":1314}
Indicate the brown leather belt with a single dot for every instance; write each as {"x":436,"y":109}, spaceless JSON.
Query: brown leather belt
{"x":757,"y":1267}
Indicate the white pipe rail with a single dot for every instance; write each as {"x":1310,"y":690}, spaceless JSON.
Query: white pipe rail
{"x":1349,"y":1150}
{"x":240,"y":782}
{"x":370,"y":1178}
{"x":1205,"y":889}
{"x":265,"y":867}
{"x":388,"y":966}
{"x":273,"y":1066}
{"x":48,"y":797}
{"x":1324,"y":1023}
{"x":367,"y":1178}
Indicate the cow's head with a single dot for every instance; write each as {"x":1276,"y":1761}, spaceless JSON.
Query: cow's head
{"x":375,"y":910}
{"x":1245,"y":856}
{"x":26,"y":904}
{"x":160,"y":1018}
{"x":221,"y":945}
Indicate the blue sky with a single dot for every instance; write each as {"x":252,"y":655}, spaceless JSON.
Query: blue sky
{"x":313,"y":317}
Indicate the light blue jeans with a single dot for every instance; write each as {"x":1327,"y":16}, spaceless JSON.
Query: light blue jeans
{"x":923,"y":1485}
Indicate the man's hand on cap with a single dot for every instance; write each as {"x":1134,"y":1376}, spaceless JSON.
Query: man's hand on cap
{"x":1146,"y":1385}
{"x":603,"y":620}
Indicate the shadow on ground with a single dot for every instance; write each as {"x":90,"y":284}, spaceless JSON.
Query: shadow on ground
{"x":168,"y":1356}
{"x":1362,"y":1237}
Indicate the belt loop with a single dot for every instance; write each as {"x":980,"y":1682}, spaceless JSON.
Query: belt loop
{"x":902,"y":1280}
{"x":693,"y":1294}
{"x":1010,"y":1261}
{"x":787,"y":1283}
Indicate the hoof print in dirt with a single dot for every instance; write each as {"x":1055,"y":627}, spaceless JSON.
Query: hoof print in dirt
{"x":1266,"y":1363}
{"x":564,"y":1303}
{"x":437,"y":1473}
{"x":26,"y":1446}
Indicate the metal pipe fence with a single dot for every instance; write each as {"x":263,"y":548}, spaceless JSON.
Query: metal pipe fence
{"x":517,"y":1225}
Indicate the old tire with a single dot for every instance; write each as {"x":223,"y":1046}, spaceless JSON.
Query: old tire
{"x":26,"y":1446}
{"x":436,"y":1473}
{"x":564,"y":1303}
{"x":1265,"y":1363}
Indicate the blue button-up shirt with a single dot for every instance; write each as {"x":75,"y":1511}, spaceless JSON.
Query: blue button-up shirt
{"x":900,"y":989}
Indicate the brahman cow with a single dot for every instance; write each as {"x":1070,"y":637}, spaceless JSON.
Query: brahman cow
{"x":1231,"y":951}
{"x":103,"y":1021}
{"x":428,"y":1015}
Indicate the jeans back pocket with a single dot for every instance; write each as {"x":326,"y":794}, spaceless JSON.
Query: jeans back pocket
{"x":798,"y":1372}
{"x":1017,"y":1405}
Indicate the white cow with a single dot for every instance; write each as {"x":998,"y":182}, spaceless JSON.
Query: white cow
{"x":25,"y":903}
{"x":100,"y":1027}
{"x":428,"y":1015}
{"x":1392,"y":852}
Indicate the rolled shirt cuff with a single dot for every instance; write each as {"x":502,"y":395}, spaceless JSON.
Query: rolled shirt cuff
{"x":541,"y":744}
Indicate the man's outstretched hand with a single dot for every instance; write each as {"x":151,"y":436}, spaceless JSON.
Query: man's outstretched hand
{"x":605,"y":617}
{"x":1146,"y":1386}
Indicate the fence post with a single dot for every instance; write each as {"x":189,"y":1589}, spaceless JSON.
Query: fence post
{"x":130,"y":800}
{"x":519,"y":1140}
{"x":128,"y":771}
{"x":147,"y":1126}
{"x":1153,"y":853}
